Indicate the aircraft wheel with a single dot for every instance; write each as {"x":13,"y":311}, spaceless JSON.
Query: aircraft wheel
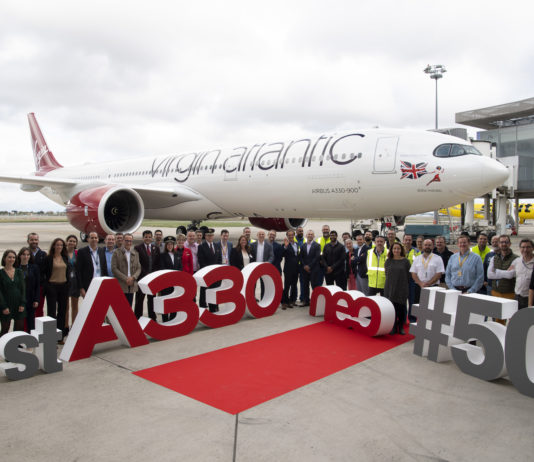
{"x":181,"y":230}
{"x":83,"y":237}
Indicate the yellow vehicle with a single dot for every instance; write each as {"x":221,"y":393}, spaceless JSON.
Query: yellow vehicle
{"x":526,"y":211}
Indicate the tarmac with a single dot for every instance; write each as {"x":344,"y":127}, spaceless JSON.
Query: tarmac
{"x":393,"y":406}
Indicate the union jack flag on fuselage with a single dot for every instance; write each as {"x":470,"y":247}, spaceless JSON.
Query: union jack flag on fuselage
{"x":413,"y":171}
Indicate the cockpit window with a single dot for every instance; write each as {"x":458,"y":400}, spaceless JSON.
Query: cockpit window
{"x":455,"y":150}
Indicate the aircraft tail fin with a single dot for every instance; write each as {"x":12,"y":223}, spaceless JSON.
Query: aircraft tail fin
{"x":43,"y":157}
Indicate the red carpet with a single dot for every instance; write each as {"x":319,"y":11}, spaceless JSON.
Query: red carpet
{"x":239,"y":377}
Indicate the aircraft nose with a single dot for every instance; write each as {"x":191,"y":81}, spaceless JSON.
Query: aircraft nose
{"x":495,"y":173}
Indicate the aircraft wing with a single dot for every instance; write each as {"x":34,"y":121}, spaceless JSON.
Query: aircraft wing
{"x":154,"y":196}
{"x":38,"y":182}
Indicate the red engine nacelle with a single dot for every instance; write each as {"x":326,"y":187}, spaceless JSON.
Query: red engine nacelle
{"x":106,"y":210}
{"x":278,"y":224}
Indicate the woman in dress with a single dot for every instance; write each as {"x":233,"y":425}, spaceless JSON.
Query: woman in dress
{"x":74,"y":290}
{"x":184,"y":254}
{"x":12,"y":294}
{"x":56,"y":272}
{"x":396,"y":287}
{"x":32,"y":281}
{"x":241,"y":256}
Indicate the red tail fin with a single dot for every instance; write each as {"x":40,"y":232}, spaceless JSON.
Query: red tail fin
{"x":43,"y":157}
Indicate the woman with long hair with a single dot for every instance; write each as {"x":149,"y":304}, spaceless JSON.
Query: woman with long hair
{"x":56,"y":272}
{"x":12,"y":294}
{"x":74,"y":290}
{"x":241,"y":256}
{"x":396,"y":287}
{"x":32,"y":277}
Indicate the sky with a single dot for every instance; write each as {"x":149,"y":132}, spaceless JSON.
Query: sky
{"x":115,"y":80}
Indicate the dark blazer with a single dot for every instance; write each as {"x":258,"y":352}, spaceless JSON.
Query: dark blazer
{"x":49,"y":262}
{"x":334,"y":256}
{"x":148,"y":264}
{"x":278,"y":254}
{"x":291,"y":259}
{"x":206,"y":257}
{"x":32,"y":276}
{"x":38,"y":259}
{"x":236,"y":258}
{"x":310,"y":259}
{"x":165,"y":262}
{"x":84,"y":266}
{"x":361,"y":261}
{"x":218,"y":246}
{"x":268,"y":255}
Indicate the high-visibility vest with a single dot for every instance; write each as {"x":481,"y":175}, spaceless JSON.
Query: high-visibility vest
{"x":376,"y":270}
{"x":322,"y":242}
{"x":482,"y":254}
{"x":412,"y":254}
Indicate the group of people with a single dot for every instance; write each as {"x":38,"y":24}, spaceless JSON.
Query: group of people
{"x":380,"y":265}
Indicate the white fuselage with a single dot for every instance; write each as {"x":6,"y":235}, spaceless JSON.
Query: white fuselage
{"x":350,"y":175}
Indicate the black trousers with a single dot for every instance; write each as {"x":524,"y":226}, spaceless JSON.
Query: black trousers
{"x":202,"y":299}
{"x":290,"y":287}
{"x":307,"y":279}
{"x":339,"y":279}
{"x":375,"y":291}
{"x":139,"y":301}
{"x":400,"y":315}
{"x":57,"y":296}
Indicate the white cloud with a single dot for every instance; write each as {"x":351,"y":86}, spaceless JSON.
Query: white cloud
{"x":109,"y":80}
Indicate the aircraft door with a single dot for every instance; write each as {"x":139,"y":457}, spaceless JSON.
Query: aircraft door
{"x":385,"y":154}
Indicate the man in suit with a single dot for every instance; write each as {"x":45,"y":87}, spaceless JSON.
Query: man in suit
{"x":38,"y":260}
{"x":90,"y":263}
{"x":149,"y":259}
{"x":208,"y":254}
{"x":126,"y":268}
{"x":360,"y":255}
{"x":278,"y":251}
{"x":334,"y":262}
{"x":262,"y":251}
{"x":224,"y":247}
{"x":291,"y":270}
{"x":309,"y":257}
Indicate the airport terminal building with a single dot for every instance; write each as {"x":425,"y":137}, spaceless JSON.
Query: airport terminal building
{"x":511,"y":127}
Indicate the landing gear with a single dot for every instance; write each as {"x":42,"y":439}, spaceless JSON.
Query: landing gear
{"x":193,"y":226}
{"x":83,"y":236}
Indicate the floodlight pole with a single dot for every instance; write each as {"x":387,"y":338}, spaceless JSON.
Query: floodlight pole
{"x":435,"y":72}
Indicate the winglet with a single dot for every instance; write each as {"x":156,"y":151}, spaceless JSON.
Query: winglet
{"x":43,"y":157}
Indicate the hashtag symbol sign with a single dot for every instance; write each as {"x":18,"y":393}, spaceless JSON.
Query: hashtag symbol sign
{"x":428,"y":327}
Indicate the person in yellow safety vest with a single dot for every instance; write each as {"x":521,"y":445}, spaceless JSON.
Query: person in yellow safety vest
{"x":376,"y":271}
{"x":411,"y":252}
{"x":325,"y":238}
{"x":247,"y":233}
{"x":482,"y":248}
{"x":322,"y":241}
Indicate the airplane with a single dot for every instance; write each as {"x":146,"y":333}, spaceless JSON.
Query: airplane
{"x":277,"y":185}
{"x":526,"y":211}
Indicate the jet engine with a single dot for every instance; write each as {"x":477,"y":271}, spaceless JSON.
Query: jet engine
{"x":278,"y":224}
{"x":106,"y":210}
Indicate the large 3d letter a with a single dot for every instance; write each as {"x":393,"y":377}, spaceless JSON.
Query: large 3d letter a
{"x":104,"y":298}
